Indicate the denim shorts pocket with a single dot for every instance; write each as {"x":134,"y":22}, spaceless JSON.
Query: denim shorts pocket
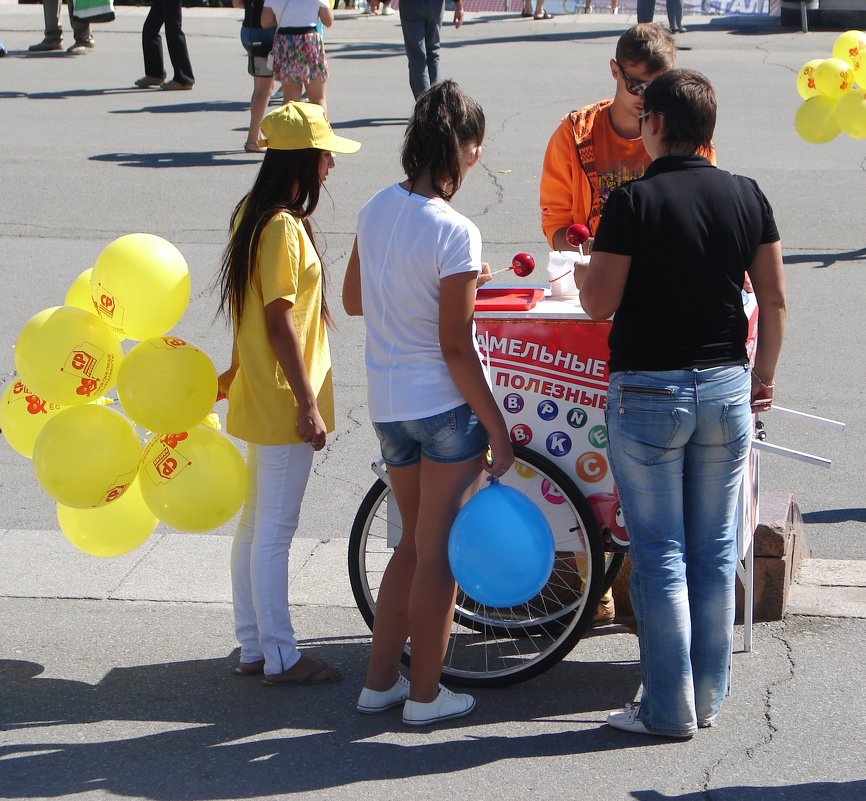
{"x":445,"y":428}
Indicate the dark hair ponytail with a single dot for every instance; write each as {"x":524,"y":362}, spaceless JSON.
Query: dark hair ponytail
{"x":287,"y":181}
{"x":444,"y":121}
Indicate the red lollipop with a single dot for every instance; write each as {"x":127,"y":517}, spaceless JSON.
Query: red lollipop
{"x":523,"y":264}
{"x":577,"y":234}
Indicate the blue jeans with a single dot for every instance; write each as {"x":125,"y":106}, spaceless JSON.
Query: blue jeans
{"x":678,"y":443}
{"x":421,"y":21}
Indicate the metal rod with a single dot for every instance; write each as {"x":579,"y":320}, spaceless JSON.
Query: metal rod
{"x":807,"y":417}
{"x":800,"y":456}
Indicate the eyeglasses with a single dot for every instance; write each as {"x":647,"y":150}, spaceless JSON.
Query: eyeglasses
{"x":642,"y":117}
{"x":634,"y":86}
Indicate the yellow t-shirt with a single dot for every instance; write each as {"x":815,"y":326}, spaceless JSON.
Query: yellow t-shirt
{"x":262,"y":408}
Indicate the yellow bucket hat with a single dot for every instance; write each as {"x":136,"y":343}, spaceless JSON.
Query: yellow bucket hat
{"x":297,"y":126}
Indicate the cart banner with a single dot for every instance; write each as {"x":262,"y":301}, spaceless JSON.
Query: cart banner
{"x":550,"y":378}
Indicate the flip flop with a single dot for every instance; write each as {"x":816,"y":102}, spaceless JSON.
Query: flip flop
{"x":545,"y":15}
{"x":249,"y":668}
{"x":319,"y":673}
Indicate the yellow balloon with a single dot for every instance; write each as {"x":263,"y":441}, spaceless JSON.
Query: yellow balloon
{"x":193,"y":481}
{"x":851,"y":114}
{"x":834,"y":77}
{"x":67,"y":355}
{"x":815,"y":120}
{"x":78,"y":294}
{"x":851,"y":47}
{"x":806,"y":79}
{"x":140,"y":286}
{"x":86,"y":456}
{"x":111,"y":530}
{"x":166,"y":384}
{"x":23,"y":415}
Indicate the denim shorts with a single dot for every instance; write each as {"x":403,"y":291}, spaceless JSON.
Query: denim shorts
{"x":450,"y":437}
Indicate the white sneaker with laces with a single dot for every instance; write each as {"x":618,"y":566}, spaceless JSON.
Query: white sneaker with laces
{"x":447,"y":705}
{"x":628,"y":720}
{"x":372,"y":701}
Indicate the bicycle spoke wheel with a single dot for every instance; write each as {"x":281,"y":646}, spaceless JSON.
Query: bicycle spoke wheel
{"x":492,"y":646}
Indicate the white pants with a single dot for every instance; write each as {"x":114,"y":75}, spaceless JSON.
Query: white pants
{"x":260,"y":554}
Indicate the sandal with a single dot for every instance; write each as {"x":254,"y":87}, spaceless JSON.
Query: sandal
{"x":249,"y":668}
{"x":526,"y":14}
{"x":545,"y":15}
{"x":317,"y":673}
{"x":253,"y":147}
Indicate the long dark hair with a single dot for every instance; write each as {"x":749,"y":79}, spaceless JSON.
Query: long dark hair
{"x":287,"y":181}
{"x":444,"y":121}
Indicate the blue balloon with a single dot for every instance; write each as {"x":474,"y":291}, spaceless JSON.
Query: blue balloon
{"x":501,"y":548}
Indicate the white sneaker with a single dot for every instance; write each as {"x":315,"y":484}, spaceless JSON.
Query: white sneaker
{"x":386,"y":11}
{"x":628,"y":720}
{"x":446,"y":706}
{"x":372,"y":701}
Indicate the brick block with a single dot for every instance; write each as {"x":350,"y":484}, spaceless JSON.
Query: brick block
{"x":780,"y":544}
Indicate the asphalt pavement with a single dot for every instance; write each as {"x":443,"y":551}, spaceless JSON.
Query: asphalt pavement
{"x":115,"y":672}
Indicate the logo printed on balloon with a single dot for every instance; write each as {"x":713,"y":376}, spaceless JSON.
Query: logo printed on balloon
{"x":512,"y":403}
{"x":551,"y":493}
{"x":108,"y":307}
{"x":547,"y":410}
{"x":598,"y":436}
{"x":521,"y":434}
{"x":116,"y":491}
{"x":558,"y":443}
{"x":576,"y":417}
{"x":591,"y":467}
{"x":168,"y":462}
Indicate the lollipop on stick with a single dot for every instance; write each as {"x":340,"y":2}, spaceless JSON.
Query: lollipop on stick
{"x":523,"y":264}
{"x":576,"y":235}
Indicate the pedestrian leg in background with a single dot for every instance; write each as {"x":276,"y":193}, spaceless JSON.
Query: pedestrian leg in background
{"x":53,"y":31}
{"x":151,"y":46}
{"x":421,"y":21}
{"x":175,"y":40}
{"x":645,"y":10}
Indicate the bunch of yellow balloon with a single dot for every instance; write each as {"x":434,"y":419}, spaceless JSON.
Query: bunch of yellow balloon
{"x":834,"y":92}
{"x":87,"y":456}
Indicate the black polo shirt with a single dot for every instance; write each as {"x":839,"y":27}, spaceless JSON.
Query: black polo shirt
{"x":692,"y":230}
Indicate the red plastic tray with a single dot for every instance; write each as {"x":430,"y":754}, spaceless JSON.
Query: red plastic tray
{"x":493,"y":298}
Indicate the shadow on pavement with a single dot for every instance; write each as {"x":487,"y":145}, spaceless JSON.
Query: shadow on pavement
{"x":206,"y":158}
{"x":826,"y":791}
{"x":825,"y":259}
{"x":231,"y":738}
{"x":836,"y":516}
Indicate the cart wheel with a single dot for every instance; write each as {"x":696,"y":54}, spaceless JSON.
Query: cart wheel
{"x":490,"y":646}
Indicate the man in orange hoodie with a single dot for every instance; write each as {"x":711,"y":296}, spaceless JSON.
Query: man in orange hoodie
{"x":598,"y":147}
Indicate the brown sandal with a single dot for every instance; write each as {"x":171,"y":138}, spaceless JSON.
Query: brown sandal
{"x":318,"y":673}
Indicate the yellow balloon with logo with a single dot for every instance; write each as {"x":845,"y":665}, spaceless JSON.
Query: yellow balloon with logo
{"x":111,"y":530}
{"x":166,"y":384}
{"x":851,"y":47}
{"x":67,"y":355}
{"x":815,"y":120}
{"x":806,"y":79}
{"x":86,"y":456}
{"x":23,"y":415}
{"x":834,"y":77}
{"x":851,"y":114}
{"x":194,"y":480}
{"x":140,"y":286}
{"x":78,"y":294}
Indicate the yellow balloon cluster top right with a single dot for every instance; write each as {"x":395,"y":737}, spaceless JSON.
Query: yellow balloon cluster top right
{"x":834,"y":92}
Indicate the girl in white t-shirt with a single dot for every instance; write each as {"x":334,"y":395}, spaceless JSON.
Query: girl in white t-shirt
{"x":414,"y":281}
{"x":299,"y":52}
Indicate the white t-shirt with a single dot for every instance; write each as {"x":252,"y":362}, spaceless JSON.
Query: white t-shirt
{"x":408,"y":243}
{"x":296,"y":13}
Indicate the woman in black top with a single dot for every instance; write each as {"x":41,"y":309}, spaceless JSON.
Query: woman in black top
{"x":669,"y":261}
{"x":258,"y":42}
